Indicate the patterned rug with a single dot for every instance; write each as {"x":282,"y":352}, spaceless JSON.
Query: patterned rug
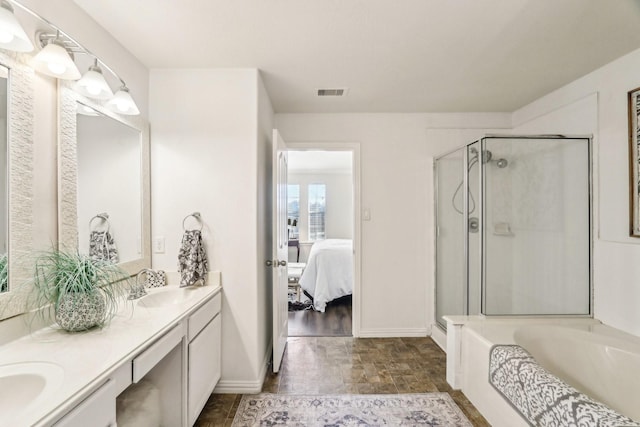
{"x":430,"y":409}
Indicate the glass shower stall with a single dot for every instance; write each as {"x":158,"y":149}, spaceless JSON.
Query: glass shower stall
{"x":513,"y":227}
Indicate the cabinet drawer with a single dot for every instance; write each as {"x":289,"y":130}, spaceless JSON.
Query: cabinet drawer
{"x":122,"y":377}
{"x":203,"y":315}
{"x":99,"y":409}
{"x":149,"y":358}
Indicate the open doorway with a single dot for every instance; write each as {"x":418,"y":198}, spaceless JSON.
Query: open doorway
{"x":321,"y":219}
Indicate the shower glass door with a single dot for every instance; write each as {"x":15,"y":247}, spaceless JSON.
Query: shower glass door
{"x":474,"y":226}
{"x":451,"y":286}
{"x":536,"y":226}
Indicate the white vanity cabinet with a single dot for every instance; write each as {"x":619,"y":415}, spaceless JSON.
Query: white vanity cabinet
{"x":204,"y":355}
{"x":164,"y":356}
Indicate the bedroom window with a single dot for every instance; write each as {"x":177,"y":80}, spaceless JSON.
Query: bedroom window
{"x":317,"y":207}
{"x":293,"y":210}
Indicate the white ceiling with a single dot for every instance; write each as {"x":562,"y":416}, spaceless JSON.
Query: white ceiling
{"x":393,"y":55}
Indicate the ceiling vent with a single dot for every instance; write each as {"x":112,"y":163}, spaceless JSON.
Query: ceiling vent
{"x":332,"y":92}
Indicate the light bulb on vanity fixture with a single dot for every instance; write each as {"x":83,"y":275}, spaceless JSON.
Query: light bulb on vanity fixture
{"x":12,"y":35}
{"x":54,"y":60}
{"x":93,"y":84}
{"x":123,"y":103}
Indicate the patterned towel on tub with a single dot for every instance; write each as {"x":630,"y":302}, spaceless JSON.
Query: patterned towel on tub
{"x":192,"y":259}
{"x":543,"y":399}
{"x":102,"y":247}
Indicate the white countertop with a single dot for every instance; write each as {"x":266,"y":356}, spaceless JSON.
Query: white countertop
{"x":88,"y":358}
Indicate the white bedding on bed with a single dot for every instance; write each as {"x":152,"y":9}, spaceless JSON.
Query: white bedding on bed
{"x":329,"y":271}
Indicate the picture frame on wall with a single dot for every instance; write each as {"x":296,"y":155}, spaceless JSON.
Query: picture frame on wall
{"x":634,"y":162}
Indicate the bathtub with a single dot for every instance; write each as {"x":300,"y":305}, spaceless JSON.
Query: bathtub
{"x":597,"y":360}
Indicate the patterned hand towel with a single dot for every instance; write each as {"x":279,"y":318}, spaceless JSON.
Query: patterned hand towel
{"x":102,"y":247}
{"x":192,"y":259}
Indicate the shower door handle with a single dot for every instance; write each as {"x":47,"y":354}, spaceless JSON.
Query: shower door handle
{"x":275,"y":263}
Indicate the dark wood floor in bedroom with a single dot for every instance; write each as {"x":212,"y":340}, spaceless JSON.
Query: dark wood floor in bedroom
{"x":334,"y":322}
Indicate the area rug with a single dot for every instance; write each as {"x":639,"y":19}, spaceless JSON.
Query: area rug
{"x":429,"y":409}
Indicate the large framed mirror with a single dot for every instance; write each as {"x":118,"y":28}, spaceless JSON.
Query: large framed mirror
{"x":16,"y":183}
{"x":4,"y":180}
{"x":103,"y":194}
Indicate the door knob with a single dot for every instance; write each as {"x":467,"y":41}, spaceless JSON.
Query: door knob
{"x":282,"y":263}
{"x":269,"y":263}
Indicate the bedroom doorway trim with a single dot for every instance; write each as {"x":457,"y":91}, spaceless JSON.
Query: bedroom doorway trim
{"x":354,"y":148}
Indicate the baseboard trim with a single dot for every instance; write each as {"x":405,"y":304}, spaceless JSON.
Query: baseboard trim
{"x":247,"y":387}
{"x":393,"y":333}
{"x":266,"y":363}
{"x":238,"y":387}
{"x":440,"y":337}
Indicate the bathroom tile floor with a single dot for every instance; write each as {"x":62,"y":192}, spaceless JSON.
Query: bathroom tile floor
{"x":346,"y":365}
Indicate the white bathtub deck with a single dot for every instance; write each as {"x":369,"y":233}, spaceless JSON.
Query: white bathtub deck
{"x":469,"y":341}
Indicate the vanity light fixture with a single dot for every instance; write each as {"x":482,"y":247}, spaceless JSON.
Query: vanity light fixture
{"x":93,"y":84}
{"x":12,"y":35}
{"x":54,"y":60}
{"x":123,"y":103}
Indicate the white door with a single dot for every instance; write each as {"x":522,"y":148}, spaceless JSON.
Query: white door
{"x":280,"y":250}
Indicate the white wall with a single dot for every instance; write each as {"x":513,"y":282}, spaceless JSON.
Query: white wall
{"x":397,"y":188}
{"x":597,"y":103}
{"x":339,"y":203}
{"x":209,"y":142}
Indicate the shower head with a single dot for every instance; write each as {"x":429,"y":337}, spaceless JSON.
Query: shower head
{"x":486,"y":155}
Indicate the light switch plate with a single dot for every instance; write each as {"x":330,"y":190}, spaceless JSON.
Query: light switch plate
{"x":158,"y":245}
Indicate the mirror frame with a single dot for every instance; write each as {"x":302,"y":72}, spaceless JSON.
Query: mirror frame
{"x":68,"y":173}
{"x":20,"y":155}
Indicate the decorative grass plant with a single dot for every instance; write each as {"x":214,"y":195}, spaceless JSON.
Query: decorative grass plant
{"x":4,"y":273}
{"x":83,"y":292}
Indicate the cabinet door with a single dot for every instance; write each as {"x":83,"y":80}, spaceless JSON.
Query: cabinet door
{"x":204,"y":366}
{"x":99,"y":409}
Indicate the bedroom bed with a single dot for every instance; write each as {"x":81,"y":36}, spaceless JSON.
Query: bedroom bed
{"x":329,"y":271}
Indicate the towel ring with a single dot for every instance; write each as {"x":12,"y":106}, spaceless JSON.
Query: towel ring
{"x":198,"y":218}
{"x":104,"y":217}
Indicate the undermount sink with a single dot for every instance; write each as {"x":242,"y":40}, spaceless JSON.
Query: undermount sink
{"x":25,"y":384}
{"x":166,"y":297}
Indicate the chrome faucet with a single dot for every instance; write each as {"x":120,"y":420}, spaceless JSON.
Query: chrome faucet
{"x":137,"y":288}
